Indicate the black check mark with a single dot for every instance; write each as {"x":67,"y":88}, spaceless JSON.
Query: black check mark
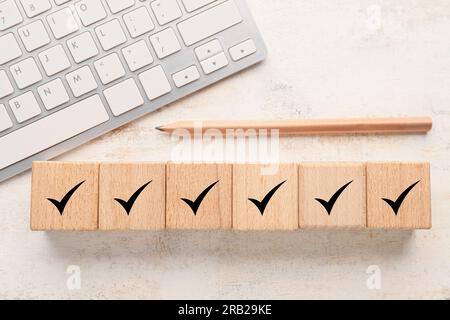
{"x":61,"y":205}
{"x":395,"y":205}
{"x":328,"y":205}
{"x":128,"y":205}
{"x":194,"y":205}
{"x":261,"y":205}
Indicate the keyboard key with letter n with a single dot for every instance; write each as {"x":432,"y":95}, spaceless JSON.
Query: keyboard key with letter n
{"x":210,"y":22}
{"x":55,"y":128}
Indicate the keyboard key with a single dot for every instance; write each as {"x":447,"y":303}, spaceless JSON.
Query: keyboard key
{"x":33,"y":8}
{"x":208,"y":50}
{"x":110,"y":34}
{"x":10,"y":49}
{"x":25,"y":107}
{"x":5,"y":120}
{"x":109,"y":68}
{"x":138,"y":22}
{"x":25,"y":73}
{"x":82,"y":47}
{"x":215,"y":63}
{"x":51,"y":130}
{"x":243,"y":50}
{"x":192,"y":5}
{"x":165,"y":43}
{"x":209,"y":22}
{"x":34,"y":35}
{"x":81,"y":81}
{"x":54,"y":60}
{"x":166,"y":10}
{"x":5,"y":85}
{"x":119,"y":5}
{"x":155,"y":82}
{"x":123,"y":97}
{"x":62,"y":23}
{"x":53,"y":94}
{"x":9,"y":15}
{"x":60,"y":2}
{"x":90,"y":11}
{"x":137,"y":55}
{"x":186,"y":76}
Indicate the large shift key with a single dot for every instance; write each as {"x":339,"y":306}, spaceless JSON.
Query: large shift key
{"x":49,"y":131}
{"x":210,"y":22}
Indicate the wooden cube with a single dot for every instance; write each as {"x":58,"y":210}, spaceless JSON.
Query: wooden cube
{"x":132,"y":196}
{"x":198,"y":196}
{"x":265,"y":202}
{"x":64,"y":196}
{"x":398,"y":195}
{"x":332,"y":195}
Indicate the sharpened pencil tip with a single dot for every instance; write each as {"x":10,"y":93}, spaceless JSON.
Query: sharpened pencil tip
{"x":160,"y":128}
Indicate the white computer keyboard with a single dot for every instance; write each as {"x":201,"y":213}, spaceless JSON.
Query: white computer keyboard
{"x":73,"y":70}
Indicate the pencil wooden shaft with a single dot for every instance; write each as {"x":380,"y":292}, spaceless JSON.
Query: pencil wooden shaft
{"x":312,"y":127}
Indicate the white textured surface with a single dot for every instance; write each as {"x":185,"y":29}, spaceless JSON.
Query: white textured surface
{"x":326,"y":59}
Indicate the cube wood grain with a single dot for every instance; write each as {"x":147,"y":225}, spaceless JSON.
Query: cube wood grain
{"x":332,"y":195}
{"x":132,"y":196}
{"x":265,"y":202}
{"x":398,"y":195}
{"x":198,"y":196}
{"x":64,"y":196}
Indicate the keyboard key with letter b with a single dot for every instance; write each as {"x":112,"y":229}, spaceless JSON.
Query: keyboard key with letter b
{"x":25,"y":107}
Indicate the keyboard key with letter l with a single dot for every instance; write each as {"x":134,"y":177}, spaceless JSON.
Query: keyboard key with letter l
{"x":49,"y":131}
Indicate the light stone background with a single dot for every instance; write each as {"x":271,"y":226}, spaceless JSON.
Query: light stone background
{"x":326,"y":59}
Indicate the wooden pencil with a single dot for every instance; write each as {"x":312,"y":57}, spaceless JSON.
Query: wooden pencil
{"x":419,"y":125}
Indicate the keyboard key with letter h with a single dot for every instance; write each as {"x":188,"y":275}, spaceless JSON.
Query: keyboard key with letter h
{"x":72,"y":70}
